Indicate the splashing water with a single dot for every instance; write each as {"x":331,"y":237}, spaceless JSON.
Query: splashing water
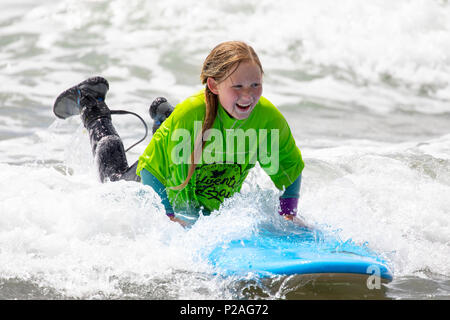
{"x":365,"y":89}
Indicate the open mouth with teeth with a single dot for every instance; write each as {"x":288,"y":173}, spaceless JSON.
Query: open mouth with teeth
{"x":243,"y":107}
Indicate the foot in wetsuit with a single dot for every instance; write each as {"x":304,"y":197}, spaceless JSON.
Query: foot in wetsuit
{"x":87,"y":99}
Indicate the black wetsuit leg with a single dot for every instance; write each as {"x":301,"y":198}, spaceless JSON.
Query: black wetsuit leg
{"x":109,"y":152}
{"x":107,"y":147}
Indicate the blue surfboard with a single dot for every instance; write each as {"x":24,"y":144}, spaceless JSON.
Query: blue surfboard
{"x":307,"y":252}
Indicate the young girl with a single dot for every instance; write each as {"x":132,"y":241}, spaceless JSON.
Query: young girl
{"x":202,"y":153}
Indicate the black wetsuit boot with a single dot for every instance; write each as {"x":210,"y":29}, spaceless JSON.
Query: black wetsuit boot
{"x":87,"y":99}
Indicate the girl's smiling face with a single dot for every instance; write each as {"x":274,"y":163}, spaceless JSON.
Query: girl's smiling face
{"x":240,"y":91}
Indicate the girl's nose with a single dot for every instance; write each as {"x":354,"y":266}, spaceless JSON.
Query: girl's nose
{"x":246,"y":95}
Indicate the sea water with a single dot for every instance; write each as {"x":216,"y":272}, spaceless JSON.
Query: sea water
{"x":365,"y":88}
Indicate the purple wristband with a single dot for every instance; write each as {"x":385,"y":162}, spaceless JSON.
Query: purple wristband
{"x":288,"y":206}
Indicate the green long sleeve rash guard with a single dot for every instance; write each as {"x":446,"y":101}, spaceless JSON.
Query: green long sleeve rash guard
{"x":232,"y":148}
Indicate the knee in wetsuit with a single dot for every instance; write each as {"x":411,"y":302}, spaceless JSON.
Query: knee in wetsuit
{"x":159,"y":110}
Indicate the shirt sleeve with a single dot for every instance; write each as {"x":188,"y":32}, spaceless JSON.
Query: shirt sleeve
{"x":150,"y":180}
{"x":293,"y":191}
{"x":278,"y":153}
{"x":289,"y":199}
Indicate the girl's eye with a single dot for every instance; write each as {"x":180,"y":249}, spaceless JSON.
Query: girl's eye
{"x":253,"y":85}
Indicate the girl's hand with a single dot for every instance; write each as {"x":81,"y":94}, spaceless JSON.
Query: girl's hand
{"x":174,"y":219}
{"x":297,"y":221}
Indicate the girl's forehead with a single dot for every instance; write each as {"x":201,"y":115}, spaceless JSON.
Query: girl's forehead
{"x":246,"y":71}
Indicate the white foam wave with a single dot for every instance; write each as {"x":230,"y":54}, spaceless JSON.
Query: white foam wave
{"x":401,"y":47}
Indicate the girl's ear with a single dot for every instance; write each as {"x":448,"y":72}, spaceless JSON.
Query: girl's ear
{"x":212,"y":85}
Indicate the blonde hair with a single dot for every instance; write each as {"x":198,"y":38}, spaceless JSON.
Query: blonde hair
{"x":221,"y":62}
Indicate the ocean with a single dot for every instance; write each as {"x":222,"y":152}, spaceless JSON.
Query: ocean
{"x":364,"y":86}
